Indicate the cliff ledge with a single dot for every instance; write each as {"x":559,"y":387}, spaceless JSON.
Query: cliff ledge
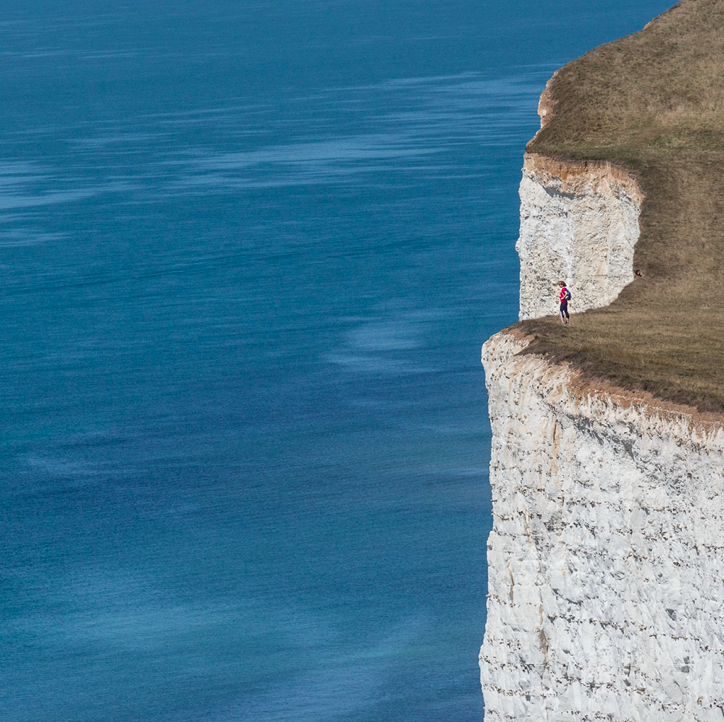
{"x":607,"y":464}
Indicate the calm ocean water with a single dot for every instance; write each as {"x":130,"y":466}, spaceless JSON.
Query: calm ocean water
{"x":249,"y":251}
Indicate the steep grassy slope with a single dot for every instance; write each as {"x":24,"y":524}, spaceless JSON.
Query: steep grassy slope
{"x":653,"y":103}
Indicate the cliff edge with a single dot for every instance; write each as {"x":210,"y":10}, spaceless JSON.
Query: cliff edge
{"x":607,"y":463}
{"x":605,"y":559}
{"x":649,"y":111}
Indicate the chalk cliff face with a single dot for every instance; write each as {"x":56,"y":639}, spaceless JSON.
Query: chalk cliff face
{"x":606,"y":560}
{"x":579,"y":224}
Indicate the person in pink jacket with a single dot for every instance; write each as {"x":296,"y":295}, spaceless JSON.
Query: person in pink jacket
{"x":565,"y":297}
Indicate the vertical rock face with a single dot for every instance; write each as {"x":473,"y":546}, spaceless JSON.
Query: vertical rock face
{"x":606,"y":559}
{"x":579,"y":224}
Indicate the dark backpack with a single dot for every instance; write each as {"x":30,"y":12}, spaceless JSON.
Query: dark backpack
{"x":568,"y":295}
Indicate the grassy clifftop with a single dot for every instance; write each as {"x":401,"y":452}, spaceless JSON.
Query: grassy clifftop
{"x":653,"y":103}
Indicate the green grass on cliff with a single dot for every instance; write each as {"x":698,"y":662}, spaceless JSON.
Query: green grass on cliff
{"x":653,"y":103}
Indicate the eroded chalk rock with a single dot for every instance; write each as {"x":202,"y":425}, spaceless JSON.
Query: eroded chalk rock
{"x":606,"y":559}
{"x":579,"y":224}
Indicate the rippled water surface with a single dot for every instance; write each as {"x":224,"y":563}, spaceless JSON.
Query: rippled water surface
{"x":249,"y":252}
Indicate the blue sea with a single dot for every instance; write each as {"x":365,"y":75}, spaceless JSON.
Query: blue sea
{"x":249,"y":250}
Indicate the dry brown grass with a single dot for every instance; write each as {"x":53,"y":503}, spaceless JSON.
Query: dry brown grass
{"x":653,"y":103}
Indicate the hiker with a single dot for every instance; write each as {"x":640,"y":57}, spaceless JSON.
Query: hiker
{"x":565,"y":297}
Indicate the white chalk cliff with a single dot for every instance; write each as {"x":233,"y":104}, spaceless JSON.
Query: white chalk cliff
{"x":606,"y":559}
{"x":578,"y":224}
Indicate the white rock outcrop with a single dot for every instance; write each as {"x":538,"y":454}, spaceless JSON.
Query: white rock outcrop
{"x":579,"y":223}
{"x":606,"y":559}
